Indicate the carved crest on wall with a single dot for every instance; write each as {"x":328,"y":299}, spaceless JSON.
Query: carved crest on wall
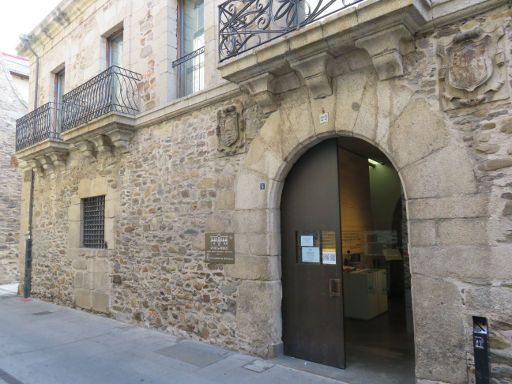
{"x":231,"y":130}
{"x":473,"y":69}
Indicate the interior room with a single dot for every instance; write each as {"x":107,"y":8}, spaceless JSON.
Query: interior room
{"x":376,"y":278}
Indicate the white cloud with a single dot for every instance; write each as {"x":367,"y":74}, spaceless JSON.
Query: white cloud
{"x":20,"y":17}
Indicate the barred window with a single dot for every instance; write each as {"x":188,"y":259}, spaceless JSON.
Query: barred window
{"x":93,"y":229}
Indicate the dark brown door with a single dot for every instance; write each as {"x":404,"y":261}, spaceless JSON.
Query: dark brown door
{"x":312,"y":305}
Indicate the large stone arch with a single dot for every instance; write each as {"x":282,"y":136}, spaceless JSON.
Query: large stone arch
{"x":438,"y":179}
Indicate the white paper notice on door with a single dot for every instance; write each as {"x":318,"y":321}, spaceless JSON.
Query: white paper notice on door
{"x":310,"y":254}
{"x":306,"y":241}
{"x":329,"y":256}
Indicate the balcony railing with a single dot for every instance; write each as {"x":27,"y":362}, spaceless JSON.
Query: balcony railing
{"x":113,"y":90}
{"x":246,"y":24}
{"x":41,"y":124}
{"x":190,"y":72}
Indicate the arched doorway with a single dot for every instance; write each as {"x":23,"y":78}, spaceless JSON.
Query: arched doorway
{"x":346,"y":285}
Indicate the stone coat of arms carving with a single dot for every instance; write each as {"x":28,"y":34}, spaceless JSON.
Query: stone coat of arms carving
{"x":230,"y":130}
{"x":472,"y":69}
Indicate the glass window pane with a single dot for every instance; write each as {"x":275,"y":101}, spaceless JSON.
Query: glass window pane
{"x":59,"y":86}
{"x":191,"y":71}
{"x":115,"y":50}
{"x":192,"y":26}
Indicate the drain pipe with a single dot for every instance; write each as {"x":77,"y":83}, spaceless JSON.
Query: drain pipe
{"x":27,"y":284}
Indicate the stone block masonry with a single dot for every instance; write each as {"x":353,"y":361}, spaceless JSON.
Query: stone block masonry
{"x":162,"y":196}
{"x":449,"y":142}
{"x":11,"y":108}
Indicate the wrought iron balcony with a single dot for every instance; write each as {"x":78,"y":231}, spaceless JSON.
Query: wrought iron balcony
{"x":190,"y":74}
{"x":113,"y":90}
{"x":246,"y":24}
{"x":41,"y":124}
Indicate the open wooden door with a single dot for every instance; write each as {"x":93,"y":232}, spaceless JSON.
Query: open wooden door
{"x":312,"y":306}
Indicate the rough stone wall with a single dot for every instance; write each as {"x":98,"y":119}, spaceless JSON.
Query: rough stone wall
{"x":179,"y":189}
{"x":480,"y":246}
{"x":457,"y":191}
{"x":173,"y":187}
{"x":11,"y":108}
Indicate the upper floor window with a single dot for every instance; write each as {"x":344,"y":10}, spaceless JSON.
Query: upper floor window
{"x":191,"y":62}
{"x":115,"y":49}
{"x":59,"y":81}
{"x":58,"y":89}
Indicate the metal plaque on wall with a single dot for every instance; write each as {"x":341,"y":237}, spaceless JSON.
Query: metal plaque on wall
{"x":220,"y":248}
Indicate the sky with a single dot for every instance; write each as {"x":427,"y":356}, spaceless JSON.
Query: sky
{"x":20,"y":17}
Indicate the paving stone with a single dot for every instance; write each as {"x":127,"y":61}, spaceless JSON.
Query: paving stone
{"x":258,"y":366}
{"x":200,"y":355}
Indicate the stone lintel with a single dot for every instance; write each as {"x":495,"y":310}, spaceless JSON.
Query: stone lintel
{"x":313,"y":71}
{"x":385,"y":49}
{"x":260,"y":87}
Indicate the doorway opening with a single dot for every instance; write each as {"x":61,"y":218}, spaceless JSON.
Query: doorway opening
{"x":345,"y":265}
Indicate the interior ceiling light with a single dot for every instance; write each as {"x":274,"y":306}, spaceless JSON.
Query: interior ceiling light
{"x":373,"y":162}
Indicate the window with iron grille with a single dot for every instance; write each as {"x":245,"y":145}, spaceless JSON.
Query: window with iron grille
{"x":93,"y":228}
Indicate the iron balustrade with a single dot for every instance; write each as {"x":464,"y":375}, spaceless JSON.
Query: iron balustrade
{"x":190,"y":72}
{"x":246,"y":24}
{"x":113,"y":90}
{"x":41,"y":124}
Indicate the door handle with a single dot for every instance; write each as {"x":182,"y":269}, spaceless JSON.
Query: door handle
{"x":334,"y":287}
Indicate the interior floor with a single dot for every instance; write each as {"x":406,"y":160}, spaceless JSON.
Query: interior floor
{"x":381,"y":345}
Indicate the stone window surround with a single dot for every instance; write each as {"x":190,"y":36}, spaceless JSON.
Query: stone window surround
{"x":91,"y":188}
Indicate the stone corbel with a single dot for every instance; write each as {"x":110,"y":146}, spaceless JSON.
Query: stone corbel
{"x":86,"y":148}
{"x":120,"y":138}
{"x":58,"y":158}
{"x":101,"y":144}
{"x":313,"y":71}
{"x":35,"y":166}
{"x":45,"y":163}
{"x":260,"y":87}
{"x":385,"y":49}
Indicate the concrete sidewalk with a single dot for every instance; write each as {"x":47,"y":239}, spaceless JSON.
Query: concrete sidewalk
{"x":42,"y":343}
{"x":8,"y":289}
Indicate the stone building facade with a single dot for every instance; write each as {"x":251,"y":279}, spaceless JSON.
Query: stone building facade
{"x":426,"y":82}
{"x":12,"y":106}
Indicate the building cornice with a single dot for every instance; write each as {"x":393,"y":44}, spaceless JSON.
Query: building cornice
{"x":224,"y":91}
{"x":450,"y":11}
{"x":54,"y":23}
